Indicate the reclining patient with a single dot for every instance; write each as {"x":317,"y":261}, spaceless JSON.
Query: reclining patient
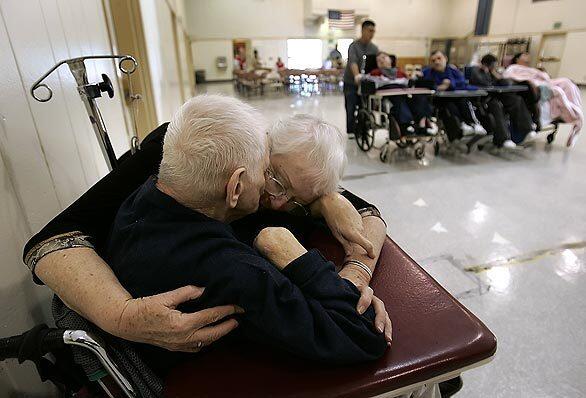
{"x":289,"y":185}
{"x":562,"y":95}
{"x":502,"y":105}
{"x":413,"y":114}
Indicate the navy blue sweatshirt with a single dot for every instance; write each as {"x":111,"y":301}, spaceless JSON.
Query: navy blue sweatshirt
{"x":457,"y":79}
{"x":157,"y":245}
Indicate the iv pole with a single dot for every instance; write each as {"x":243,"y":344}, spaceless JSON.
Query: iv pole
{"x":88,"y":93}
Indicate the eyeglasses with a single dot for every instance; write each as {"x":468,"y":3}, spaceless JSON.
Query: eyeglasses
{"x":275,"y":188}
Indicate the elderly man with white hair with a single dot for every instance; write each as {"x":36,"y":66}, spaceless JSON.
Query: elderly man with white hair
{"x":218,"y":177}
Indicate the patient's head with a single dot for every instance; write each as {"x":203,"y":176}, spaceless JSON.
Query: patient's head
{"x":308,"y":157}
{"x":214,"y":157}
{"x":438,"y":61}
{"x":383,"y":60}
{"x":521,"y":59}
{"x":489,"y":61}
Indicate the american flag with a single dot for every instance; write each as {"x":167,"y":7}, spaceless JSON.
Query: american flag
{"x":341,"y":19}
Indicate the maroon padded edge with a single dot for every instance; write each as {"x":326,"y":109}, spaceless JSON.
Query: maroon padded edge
{"x":433,"y":334}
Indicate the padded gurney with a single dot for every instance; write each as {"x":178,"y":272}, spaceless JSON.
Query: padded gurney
{"x":433,"y":335}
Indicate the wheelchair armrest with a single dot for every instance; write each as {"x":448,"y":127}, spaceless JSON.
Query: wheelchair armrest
{"x":32,"y":344}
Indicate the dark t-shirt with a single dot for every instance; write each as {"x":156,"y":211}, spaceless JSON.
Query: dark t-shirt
{"x":479,"y":77}
{"x":158,"y":245}
{"x":355,"y":53}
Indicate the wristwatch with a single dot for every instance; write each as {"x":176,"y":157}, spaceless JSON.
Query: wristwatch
{"x":371,"y":211}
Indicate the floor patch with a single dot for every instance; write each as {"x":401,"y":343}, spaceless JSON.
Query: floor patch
{"x":526,"y":257}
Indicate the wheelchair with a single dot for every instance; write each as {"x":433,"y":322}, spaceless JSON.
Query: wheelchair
{"x":84,"y":360}
{"x":521,"y":88}
{"x":371,"y":116}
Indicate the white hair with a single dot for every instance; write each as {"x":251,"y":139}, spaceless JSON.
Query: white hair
{"x":208,"y":138}
{"x":322,"y":145}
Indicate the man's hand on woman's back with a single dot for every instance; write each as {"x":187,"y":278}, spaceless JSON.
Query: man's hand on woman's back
{"x":155,"y":320}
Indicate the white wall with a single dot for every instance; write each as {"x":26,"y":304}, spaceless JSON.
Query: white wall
{"x":524,"y":16}
{"x":408,"y":18}
{"x":204,"y":57}
{"x":48,"y":153}
{"x":221,"y":19}
{"x":158,"y":30}
{"x":460,"y":19}
{"x":572,"y":65}
{"x":403,"y":28}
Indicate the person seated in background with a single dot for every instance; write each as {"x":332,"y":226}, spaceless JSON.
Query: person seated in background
{"x":502,"y":105}
{"x":335,"y":57}
{"x":386,"y":65}
{"x":522,"y":58}
{"x":413,"y":114}
{"x":532,"y":95}
{"x":85,"y":283}
{"x":457,"y":113}
{"x":563,"y":96}
{"x":240,"y":59}
{"x":174,"y":230}
{"x":256,"y":62}
{"x":279,"y":64}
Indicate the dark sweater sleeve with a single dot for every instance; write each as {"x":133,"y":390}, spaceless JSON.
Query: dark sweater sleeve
{"x":93,"y":213}
{"x":307,"y":309}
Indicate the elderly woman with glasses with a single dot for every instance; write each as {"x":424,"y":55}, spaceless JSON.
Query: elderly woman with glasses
{"x":307,"y":159}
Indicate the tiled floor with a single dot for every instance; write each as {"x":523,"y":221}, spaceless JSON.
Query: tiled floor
{"x":517,"y":219}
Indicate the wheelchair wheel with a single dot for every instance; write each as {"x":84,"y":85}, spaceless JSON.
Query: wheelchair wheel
{"x":365,"y":125}
{"x":402,"y":144}
{"x":384,"y":153}
{"x":420,"y":152}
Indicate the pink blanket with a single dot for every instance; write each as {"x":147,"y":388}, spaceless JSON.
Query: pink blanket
{"x":566,"y":101}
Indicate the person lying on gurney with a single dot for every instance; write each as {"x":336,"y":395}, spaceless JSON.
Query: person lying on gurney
{"x":413,"y":114}
{"x":297,"y":303}
{"x":502,"y":105}
{"x":457,"y":113}
{"x":562,"y":95}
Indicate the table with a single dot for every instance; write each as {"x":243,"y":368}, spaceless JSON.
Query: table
{"x":390,"y":92}
{"x":461,"y":94}
{"x":505,"y":89}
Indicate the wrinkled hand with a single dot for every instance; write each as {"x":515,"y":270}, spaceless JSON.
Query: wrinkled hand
{"x":345,"y":223}
{"x":155,"y":320}
{"x":279,"y":246}
{"x":382,"y":322}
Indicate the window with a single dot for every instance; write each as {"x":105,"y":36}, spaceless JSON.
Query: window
{"x":343,"y":45}
{"x":304,"y":53}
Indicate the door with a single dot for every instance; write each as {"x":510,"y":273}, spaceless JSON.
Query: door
{"x":129,"y":38}
{"x":550,"y":53}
